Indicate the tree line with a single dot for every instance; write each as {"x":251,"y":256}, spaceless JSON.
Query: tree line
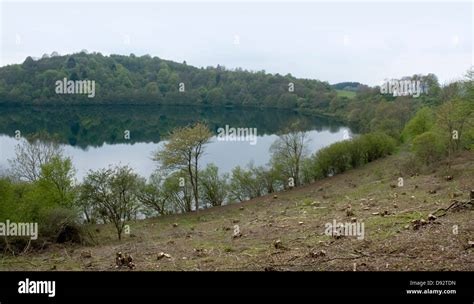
{"x":151,"y":80}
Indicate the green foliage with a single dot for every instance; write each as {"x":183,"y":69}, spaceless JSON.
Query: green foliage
{"x":178,"y":187}
{"x":429,"y":147}
{"x":422,"y":122}
{"x":183,"y":151}
{"x":341,"y":156}
{"x":377,"y":145}
{"x":333,"y":159}
{"x":62,"y":225}
{"x":213,"y":187}
{"x":114,"y":192}
{"x":15,"y":203}
{"x":56,"y":181}
{"x":469,"y":139}
{"x":153,"y":196}
{"x":245,"y":184}
{"x":270,"y":178}
{"x":347,"y":86}
{"x":151,"y":80}
{"x":43,"y":181}
{"x":347,"y":94}
{"x":453,"y":118}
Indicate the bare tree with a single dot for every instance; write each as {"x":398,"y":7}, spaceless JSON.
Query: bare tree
{"x":31,"y":155}
{"x":288,"y":152}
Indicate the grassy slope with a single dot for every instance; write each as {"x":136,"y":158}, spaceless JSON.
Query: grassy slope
{"x":204,"y":241}
{"x":348,"y":94}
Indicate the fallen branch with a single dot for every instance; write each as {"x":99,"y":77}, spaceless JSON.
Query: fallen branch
{"x":455,"y":205}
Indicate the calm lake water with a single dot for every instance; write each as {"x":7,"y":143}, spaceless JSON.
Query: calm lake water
{"x":93,"y":136}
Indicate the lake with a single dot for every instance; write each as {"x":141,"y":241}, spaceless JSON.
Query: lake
{"x":94,"y":136}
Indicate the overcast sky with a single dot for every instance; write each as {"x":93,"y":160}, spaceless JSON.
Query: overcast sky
{"x":357,"y":41}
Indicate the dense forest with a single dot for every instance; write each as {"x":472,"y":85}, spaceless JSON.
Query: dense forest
{"x":151,"y":80}
{"x":349,"y":86}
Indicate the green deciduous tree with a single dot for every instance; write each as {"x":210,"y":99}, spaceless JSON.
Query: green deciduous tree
{"x":453,"y":118}
{"x":422,"y":122}
{"x":429,"y":147}
{"x":212,"y":186}
{"x":114,"y":193}
{"x":56,"y":181}
{"x":183,"y":151}
{"x":153,"y":194}
{"x":244,"y":184}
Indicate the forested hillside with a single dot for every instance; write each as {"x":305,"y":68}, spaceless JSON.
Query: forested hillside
{"x":151,"y":80}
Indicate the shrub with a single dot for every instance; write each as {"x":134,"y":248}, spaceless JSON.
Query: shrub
{"x":409,"y":164}
{"x":377,"y":145}
{"x":469,"y":139}
{"x":61,"y":225}
{"x":310,"y":170}
{"x":213,"y":187}
{"x":323,"y":163}
{"x":422,"y":122}
{"x":429,"y":147}
{"x":244,"y":184}
{"x":357,"y":153}
{"x":341,"y":156}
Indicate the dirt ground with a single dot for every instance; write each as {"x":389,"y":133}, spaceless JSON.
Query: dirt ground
{"x":287,"y":232}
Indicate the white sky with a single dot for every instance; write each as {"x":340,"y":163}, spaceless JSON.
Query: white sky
{"x":331,"y":41}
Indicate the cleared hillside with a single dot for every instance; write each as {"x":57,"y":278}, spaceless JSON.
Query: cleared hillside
{"x":287,"y":232}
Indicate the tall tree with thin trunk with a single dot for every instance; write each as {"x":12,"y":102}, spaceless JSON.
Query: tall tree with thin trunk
{"x":183,"y":151}
{"x":289,"y":150}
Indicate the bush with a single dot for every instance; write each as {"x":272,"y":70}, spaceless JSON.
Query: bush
{"x":429,"y":147}
{"x":357,"y":153}
{"x":213,"y":188}
{"x":245,"y":184}
{"x":469,"y":139}
{"x":310,"y":170}
{"x":341,"y":156}
{"x":323,"y":165}
{"x":61,"y":225}
{"x":409,"y":164}
{"x":20,"y":203}
{"x":422,"y":122}
{"x":377,"y":145}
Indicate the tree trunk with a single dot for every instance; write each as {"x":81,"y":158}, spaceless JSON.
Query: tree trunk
{"x":196,"y":194}
{"x":193,"y":186}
